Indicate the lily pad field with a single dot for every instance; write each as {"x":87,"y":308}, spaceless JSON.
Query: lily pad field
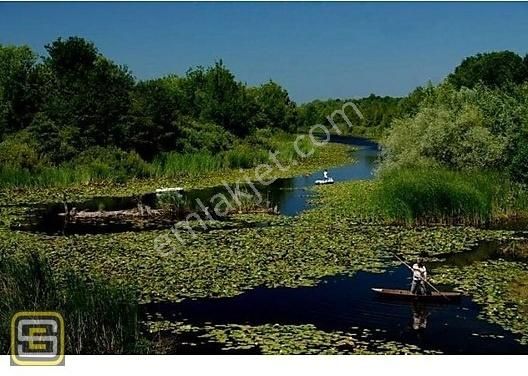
{"x":297,"y":282}
{"x":185,"y":209}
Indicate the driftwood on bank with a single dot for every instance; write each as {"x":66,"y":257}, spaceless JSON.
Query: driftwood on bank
{"x":141,"y":214}
{"x":116,"y":214}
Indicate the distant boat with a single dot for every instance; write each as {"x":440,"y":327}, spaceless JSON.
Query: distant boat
{"x":406,"y":294}
{"x":325,"y":181}
{"x":165,"y":190}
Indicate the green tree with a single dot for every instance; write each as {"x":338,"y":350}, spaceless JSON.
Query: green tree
{"x":215,"y":96}
{"x":17,"y":100}
{"x":276,"y":109}
{"x":156,"y":113}
{"x":495,"y":69}
{"x":88,"y":92}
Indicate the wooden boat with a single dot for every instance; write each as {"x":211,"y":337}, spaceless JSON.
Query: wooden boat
{"x":406,"y":294}
{"x":325,"y":181}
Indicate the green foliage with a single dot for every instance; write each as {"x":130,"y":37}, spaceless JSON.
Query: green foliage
{"x":244,"y":156}
{"x":57,"y":143}
{"x":276,"y":109}
{"x":19,"y":151}
{"x":430,"y":195}
{"x":494,"y":69}
{"x":111,"y":163}
{"x":197,"y":137}
{"x":518,"y":168}
{"x":88,"y":92}
{"x":153,"y":126}
{"x":421,"y":196}
{"x":467,"y":129}
{"x":17,"y":103}
{"x":213,"y":95}
{"x":101,"y":318}
{"x":378,"y":113}
{"x":174,"y":165}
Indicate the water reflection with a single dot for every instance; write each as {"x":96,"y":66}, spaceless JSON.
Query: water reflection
{"x":419,"y":316}
{"x":342,"y":303}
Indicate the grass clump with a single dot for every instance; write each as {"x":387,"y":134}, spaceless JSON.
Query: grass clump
{"x":100,"y":318}
{"x":429,"y":196}
{"x":445,"y":196}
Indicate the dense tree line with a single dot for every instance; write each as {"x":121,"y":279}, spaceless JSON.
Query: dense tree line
{"x":75,"y":99}
{"x":75,"y":105}
{"x":477,"y":119}
{"x":497,"y":70}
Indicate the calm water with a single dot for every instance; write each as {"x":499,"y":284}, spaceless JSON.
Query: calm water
{"x":344,"y":303}
{"x":291,"y":196}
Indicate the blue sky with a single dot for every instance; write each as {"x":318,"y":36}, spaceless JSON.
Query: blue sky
{"x":315,"y":50}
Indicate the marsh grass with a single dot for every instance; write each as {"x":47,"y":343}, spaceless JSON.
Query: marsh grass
{"x":100,"y":318}
{"x":443,"y":196}
{"x":120,"y":169}
{"x":430,"y":196}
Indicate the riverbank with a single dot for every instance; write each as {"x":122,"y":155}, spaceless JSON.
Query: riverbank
{"x":328,"y":155}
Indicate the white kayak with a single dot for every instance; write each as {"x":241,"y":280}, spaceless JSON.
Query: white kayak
{"x":325,"y":181}
{"x":165,"y":190}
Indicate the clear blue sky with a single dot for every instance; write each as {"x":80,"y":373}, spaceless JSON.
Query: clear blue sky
{"x":315,"y":50}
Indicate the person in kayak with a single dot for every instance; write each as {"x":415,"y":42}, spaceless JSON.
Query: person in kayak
{"x":419,"y":278}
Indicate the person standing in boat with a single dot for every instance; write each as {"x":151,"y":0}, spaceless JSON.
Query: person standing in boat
{"x":419,"y":278}
{"x":325,"y":174}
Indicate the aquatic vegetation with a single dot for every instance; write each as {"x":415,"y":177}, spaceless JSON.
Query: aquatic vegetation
{"x":516,"y":249}
{"x":432,"y":196}
{"x":275,"y":339}
{"x":250,"y":250}
{"x":498,"y":286}
{"x":328,"y":155}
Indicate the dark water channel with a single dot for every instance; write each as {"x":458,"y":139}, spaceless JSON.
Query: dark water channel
{"x":342,"y":303}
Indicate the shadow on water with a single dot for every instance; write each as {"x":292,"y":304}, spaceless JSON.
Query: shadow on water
{"x":343,"y":303}
{"x":290,"y":196}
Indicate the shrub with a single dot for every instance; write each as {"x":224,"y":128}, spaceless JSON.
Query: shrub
{"x":111,"y":163}
{"x":19,"y":151}
{"x":518,"y":168}
{"x":203,"y":137}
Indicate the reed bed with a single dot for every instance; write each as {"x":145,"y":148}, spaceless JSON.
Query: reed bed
{"x":243,"y":155}
{"x":419,"y":196}
{"x":100,"y":318}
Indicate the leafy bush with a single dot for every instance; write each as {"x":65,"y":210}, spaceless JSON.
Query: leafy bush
{"x":111,"y":163}
{"x":518,"y":168}
{"x":19,"y":151}
{"x":468,"y":129}
{"x":203,"y":137}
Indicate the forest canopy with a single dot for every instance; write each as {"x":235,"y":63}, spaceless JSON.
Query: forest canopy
{"x":75,"y":106}
{"x":75,"y":99}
